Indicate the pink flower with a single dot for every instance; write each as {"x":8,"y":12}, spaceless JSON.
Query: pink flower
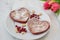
{"x":55,"y":7}
{"x":47,"y":5}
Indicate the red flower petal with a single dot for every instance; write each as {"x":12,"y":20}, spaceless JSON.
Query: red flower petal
{"x":55,"y":7}
{"x":47,"y":5}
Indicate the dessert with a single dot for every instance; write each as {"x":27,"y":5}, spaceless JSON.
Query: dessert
{"x":21,"y":15}
{"x":32,"y":21}
{"x":37,"y":27}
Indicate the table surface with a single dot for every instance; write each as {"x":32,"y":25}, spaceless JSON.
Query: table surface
{"x":5,"y":6}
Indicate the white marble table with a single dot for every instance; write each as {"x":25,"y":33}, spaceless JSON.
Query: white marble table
{"x":5,"y":6}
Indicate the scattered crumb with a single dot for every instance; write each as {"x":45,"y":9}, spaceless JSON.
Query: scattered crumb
{"x":40,"y":14}
{"x":23,"y":33}
{"x":33,"y":11}
{"x":23,"y":25}
{"x":16,"y":30}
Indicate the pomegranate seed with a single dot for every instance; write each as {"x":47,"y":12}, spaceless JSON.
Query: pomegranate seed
{"x":34,"y":15}
{"x":18,"y":28}
{"x":21,"y":29}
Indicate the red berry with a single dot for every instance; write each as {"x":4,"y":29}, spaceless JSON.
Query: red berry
{"x":18,"y":28}
{"x":34,"y":15}
{"x":23,"y":30}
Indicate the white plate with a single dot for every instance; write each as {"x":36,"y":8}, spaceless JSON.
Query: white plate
{"x":31,"y":6}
